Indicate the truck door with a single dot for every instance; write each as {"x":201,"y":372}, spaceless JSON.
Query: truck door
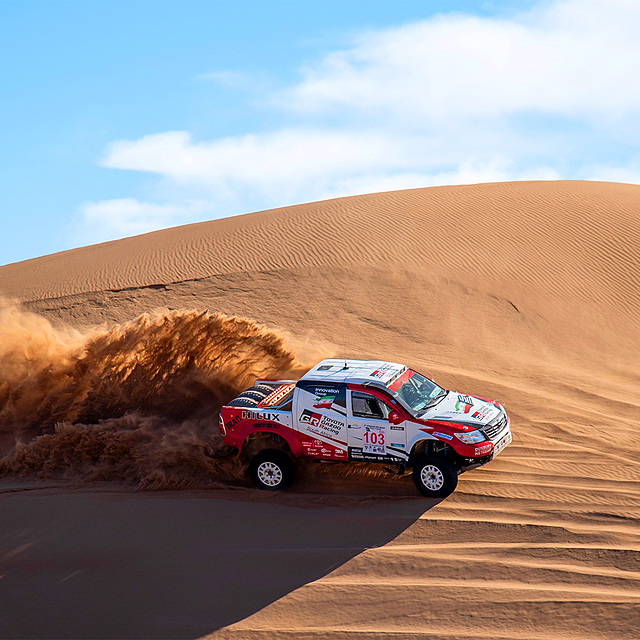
{"x":320,"y":415}
{"x":371,"y":436}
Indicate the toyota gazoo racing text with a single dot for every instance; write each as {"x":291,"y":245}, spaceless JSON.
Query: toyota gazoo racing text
{"x":345,"y":410}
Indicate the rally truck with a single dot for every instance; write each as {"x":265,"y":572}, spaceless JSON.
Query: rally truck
{"x":362,"y":410}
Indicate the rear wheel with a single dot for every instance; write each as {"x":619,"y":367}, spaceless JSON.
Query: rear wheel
{"x":271,"y":470}
{"x":434,"y":477}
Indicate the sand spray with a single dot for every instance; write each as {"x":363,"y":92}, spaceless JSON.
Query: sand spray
{"x":134,"y":402}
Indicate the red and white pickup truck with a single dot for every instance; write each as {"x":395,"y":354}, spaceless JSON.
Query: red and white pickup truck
{"x":346,"y":410}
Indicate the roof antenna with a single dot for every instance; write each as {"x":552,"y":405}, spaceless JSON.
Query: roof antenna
{"x":345,"y":365}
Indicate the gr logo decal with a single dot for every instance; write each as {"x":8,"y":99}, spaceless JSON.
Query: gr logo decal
{"x":318,"y":423}
{"x":311,"y":417}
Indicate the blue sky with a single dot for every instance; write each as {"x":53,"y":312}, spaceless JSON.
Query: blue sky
{"x":120,"y":117}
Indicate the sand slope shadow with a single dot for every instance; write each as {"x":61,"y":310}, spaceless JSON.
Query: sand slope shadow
{"x":104,"y":564}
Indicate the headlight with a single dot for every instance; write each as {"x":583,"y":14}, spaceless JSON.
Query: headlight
{"x":470,"y":437}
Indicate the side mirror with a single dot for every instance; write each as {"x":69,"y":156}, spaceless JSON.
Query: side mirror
{"x":395,"y":417}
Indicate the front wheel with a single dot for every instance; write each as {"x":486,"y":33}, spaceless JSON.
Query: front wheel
{"x":434,"y":477}
{"x":271,"y":469}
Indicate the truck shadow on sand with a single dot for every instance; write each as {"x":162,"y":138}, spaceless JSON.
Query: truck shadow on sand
{"x":106,"y":564}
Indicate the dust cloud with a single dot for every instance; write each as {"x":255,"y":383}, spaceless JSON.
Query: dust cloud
{"x":135,"y":402}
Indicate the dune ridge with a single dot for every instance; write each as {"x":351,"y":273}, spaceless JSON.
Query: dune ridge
{"x":545,"y":236}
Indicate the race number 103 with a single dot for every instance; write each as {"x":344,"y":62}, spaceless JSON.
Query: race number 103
{"x":374,"y":440}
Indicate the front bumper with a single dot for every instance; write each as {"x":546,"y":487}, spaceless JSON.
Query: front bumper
{"x":499,"y":446}
{"x":494,"y":446}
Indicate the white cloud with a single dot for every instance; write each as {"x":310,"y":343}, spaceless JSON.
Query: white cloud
{"x":293,"y":166}
{"x":260,"y":159}
{"x":548,"y":94}
{"x":570,"y":59}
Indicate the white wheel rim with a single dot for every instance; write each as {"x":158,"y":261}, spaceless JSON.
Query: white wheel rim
{"x":432,"y":477}
{"x":270,"y":474}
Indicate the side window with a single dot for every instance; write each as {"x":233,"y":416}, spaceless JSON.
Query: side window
{"x":368,"y":406}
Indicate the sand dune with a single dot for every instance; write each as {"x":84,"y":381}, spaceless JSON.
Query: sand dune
{"x":524,"y":292}
{"x":572,"y":239}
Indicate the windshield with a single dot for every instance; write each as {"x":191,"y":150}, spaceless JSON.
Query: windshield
{"x":416,"y":392}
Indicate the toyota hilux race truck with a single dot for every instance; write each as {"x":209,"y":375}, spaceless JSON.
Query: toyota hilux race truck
{"x":361,"y":410}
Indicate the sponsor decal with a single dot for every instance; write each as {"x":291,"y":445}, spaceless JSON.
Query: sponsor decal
{"x":331,"y":424}
{"x":357,"y":453}
{"x":396,"y":428}
{"x":464,"y":403}
{"x":233,"y":422}
{"x":317,"y":449}
{"x":252,"y":415}
{"x":383,"y":371}
{"x":399,"y":445}
{"x":485,"y":448}
{"x":326,"y":391}
{"x":265,"y":425}
{"x":323,"y":425}
{"x":277,"y":395}
{"x":446,"y":436}
{"x":482,"y":412}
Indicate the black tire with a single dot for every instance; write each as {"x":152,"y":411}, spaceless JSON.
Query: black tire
{"x":252,"y":393}
{"x":263,"y":388}
{"x":271,"y":470}
{"x":243,"y":402}
{"x":434,"y":477}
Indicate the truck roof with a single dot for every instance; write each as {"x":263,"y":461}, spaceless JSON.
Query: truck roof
{"x":355,"y":371}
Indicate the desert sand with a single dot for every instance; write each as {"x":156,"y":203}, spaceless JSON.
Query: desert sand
{"x":528,"y":293}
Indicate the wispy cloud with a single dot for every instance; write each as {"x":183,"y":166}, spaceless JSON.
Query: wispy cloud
{"x":548,"y":94}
